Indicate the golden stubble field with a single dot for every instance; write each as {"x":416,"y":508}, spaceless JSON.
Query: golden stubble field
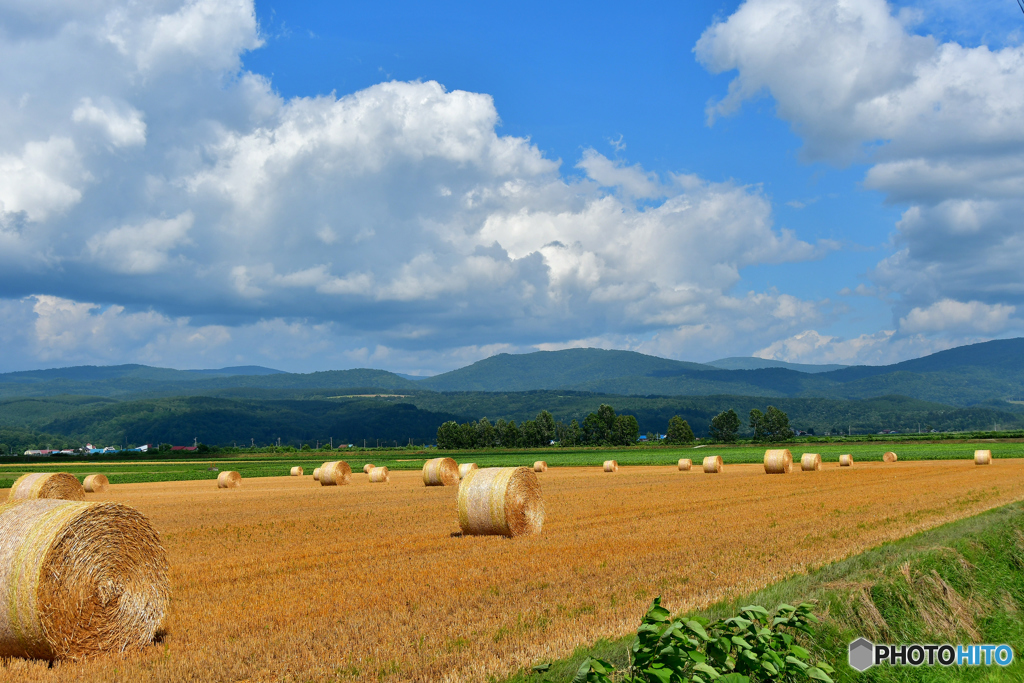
{"x":285,"y":580}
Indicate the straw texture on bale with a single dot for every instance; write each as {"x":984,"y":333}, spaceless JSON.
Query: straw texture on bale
{"x":316,"y":474}
{"x":96,"y":483}
{"x":889,"y":457}
{"x":845,"y":460}
{"x":78,"y":579}
{"x":367,"y":467}
{"x":540,"y":466}
{"x":379,"y":475}
{"x":57,"y":485}
{"x":982,"y":457}
{"x":501,"y":501}
{"x":229,"y":480}
{"x":297,"y":471}
{"x":778,"y":461}
{"x":810,"y":462}
{"x":611,"y":466}
{"x":685,"y":464}
{"x":440,"y":472}
{"x":336,"y":473}
{"x":465,"y":468}
{"x":713,"y":464}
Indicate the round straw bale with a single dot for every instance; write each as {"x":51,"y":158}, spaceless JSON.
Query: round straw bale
{"x":810,"y":462}
{"x":685,"y":464}
{"x":713,"y":464}
{"x":379,"y":475}
{"x":336,"y":473}
{"x":465,"y":468}
{"x":229,"y":480}
{"x":501,"y":501}
{"x":79,"y":579}
{"x":845,"y":460}
{"x":611,"y":466}
{"x":540,"y":466}
{"x":982,"y":457}
{"x":778,"y":461}
{"x":96,"y":483}
{"x":367,"y":467}
{"x":440,"y":472}
{"x":316,"y":474}
{"x":59,"y":485}
{"x":889,"y":457}
{"x":296,"y":471}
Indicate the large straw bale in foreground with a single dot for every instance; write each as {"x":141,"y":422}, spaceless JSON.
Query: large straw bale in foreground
{"x":466,"y":467}
{"x":368,"y":467}
{"x":379,"y":475}
{"x":845,"y":460}
{"x":713,"y":464}
{"x":685,"y":464}
{"x":810,"y":462}
{"x":982,"y":457}
{"x":889,"y":457}
{"x":57,"y":485}
{"x":501,"y":501}
{"x":540,"y":466}
{"x":336,"y":473}
{"x":316,"y":474}
{"x":778,"y":461}
{"x":440,"y":472}
{"x":96,"y":483}
{"x":611,"y":466}
{"x":78,"y":579}
{"x":296,"y":471}
{"x":229,"y":480}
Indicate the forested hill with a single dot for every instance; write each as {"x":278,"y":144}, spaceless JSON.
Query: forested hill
{"x":965,"y":376}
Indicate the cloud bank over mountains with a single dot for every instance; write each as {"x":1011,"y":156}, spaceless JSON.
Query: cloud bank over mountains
{"x":161,"y":204}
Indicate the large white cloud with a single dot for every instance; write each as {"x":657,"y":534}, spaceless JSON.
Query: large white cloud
{"x":939,"y":122}
{"x":149,"y":182}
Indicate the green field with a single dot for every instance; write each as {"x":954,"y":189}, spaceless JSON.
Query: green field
{"x":137,"y":470}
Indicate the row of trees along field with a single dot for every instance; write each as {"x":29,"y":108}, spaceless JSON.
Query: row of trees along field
{"x":601,"y":428}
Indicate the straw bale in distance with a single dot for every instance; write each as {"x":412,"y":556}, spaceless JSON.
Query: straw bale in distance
{"x":229,"y":480}
{"x":440,"y":472}
{"x":96,"y":483}
{"x":889,"y":457}
{"x":501,"y":501}
{"x":810,"y":462}
{"x":611,"y":466}
{"x":79,"y":579}
{"x":57,"y":485}
{"x":713,"y":464}
{"x":316,"y":474}
{"x":379,"y":475}
{"x":845,"y":460}
{"x":296,"y":471}
{"x":778,"y":461}
{"x":367,"y":467}
{"x":685,"y":464}
{"x":982,"y":457}
{"x":540,"y":466}
{"x":336,"y":473}
{"x":465,"y":468}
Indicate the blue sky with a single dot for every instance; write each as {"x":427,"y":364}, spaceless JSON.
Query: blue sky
{"x":309,"y":186}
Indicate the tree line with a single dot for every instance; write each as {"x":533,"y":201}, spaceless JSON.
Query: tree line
{"x":600,"y":428}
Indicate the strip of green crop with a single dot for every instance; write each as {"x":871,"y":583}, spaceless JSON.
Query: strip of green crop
{"x":961,"y":583}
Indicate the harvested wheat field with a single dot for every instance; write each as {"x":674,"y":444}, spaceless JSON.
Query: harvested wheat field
{"x":269,"y":583}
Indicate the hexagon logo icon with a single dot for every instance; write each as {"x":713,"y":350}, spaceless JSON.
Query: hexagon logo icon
{"x":861,"y":654}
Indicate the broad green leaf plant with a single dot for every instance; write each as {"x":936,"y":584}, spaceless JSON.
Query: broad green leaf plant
{"x":751,"y":647}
